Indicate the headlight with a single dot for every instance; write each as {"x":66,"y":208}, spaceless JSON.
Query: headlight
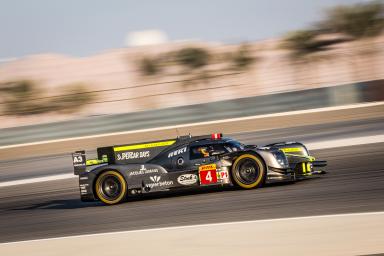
{"x":281,"y":158}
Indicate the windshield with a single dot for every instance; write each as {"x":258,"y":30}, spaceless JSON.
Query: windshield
{"x":233,"y":146}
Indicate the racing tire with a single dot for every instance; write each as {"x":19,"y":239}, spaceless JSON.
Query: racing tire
{"x":111,"y":187}
{"x":249,"y":171}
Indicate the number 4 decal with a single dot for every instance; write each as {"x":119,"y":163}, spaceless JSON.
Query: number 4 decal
{"x":208,"y":174}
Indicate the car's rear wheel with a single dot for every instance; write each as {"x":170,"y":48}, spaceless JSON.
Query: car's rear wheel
{"x":111,"y":187}
{"x":248,"y":171}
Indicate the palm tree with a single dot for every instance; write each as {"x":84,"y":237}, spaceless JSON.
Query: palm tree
{"x":363,"y":20}
{"x":304,"y":46}
{"x":301,"y":42}
{"x":360,"y":22}
{"x":26,"y":98}
{"x":194,"y":59}
{"x":149,"y":66}
{"x":242,"y":59}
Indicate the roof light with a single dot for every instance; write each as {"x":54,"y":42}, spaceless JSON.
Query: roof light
{"x":216,"y":136}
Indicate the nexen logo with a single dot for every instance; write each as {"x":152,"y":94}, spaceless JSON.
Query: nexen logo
{"x":177,"y":152}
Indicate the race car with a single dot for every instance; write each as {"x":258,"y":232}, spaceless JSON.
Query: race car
{"x":122,"y":171}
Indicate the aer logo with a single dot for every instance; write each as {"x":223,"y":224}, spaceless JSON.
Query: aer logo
{"x":177,"y":152}
{"x":155,"y":179}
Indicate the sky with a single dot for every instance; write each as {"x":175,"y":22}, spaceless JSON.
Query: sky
{"x":87,"y":27}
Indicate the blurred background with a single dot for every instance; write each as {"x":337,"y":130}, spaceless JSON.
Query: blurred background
{"x":63,"y":61}
{"x":78,"y":75}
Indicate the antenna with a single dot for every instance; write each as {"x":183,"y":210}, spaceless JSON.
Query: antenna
{"x":177,"y":132}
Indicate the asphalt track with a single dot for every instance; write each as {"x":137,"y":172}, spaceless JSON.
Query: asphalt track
{"x":35,"y":167}
{"x":354,"y":183}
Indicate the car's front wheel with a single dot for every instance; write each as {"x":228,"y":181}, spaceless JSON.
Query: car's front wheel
{"x":248,"y":171}
{"x":111,"y":187}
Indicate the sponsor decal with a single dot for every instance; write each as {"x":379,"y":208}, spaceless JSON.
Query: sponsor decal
{"x":133,"y":155}
{"x":177,"y":152}
{"x":83,"y":188}
{"x":187,"y":179}
{"x":158,"y":183}
{"x":155,"y":178}
{"x":78,"y":159}
{"x":146,"y":145}
{"x":143,"y":170}
{"x":207,"y":174}
{"x":223,"y":175}
{"x":207,"y":167}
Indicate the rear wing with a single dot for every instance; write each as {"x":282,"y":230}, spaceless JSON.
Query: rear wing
{"x":80,"y":161}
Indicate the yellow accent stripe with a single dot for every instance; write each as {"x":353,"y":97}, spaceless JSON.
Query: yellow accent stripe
{"x":287,"y":150}
{"x":146,"y":145}
{"x":310,"y":158}
{"x":303,"y":165}
{"x":96,"y":161}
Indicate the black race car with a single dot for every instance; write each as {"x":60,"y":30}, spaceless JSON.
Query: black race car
{"x":188,"y":162}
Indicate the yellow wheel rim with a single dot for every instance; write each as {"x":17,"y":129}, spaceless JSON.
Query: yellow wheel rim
{"x":261,"y":171}
{"x":100,"y":187}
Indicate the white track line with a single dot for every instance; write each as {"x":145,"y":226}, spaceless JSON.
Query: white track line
{"x":38,"y":179}
{"x":317,"y":110}
{"x":311,"y":146}
{"x":345,"y":142}
{"x":204,"y":225}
